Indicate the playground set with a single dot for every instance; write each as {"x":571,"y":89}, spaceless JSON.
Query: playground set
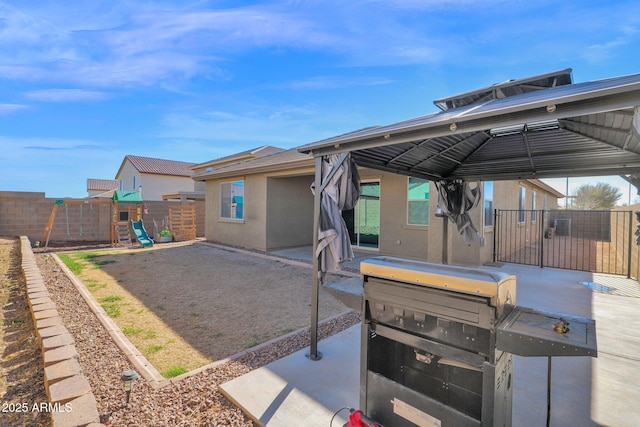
{"x":126,"y":215}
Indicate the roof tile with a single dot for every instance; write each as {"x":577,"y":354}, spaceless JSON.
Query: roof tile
{"x":94,"y":184}
{"x":160,"y":166}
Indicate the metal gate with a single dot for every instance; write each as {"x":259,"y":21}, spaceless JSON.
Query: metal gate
{"x":595,"y":241}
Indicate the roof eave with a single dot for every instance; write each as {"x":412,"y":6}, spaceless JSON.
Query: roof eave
{"x":281,"y":167}
{"x":546,"y":187}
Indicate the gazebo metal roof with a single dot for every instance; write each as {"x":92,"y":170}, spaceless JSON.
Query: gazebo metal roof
{"x":582,"y":129}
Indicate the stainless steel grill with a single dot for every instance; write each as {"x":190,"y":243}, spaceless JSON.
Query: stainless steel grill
{"x":435,"y":341}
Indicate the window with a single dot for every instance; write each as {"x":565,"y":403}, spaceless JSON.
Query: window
{"x":488,"y":204}
{"x":533,"y":207}
{"x":417,"y":201}
{"x":521,"y":200}
{"x":135,"y":182}
{"x":232,"y":200}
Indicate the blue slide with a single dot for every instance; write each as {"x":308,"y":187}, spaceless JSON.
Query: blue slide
{"x":141,"y":233}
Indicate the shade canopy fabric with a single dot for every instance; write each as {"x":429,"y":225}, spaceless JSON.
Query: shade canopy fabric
{"x":456,"y":199}
{"x":340,"y":190}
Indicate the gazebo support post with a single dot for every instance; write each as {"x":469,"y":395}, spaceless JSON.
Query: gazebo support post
{"x":314,"y":354}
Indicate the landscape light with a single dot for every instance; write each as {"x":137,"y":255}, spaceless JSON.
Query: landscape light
{"x":128,"y":378}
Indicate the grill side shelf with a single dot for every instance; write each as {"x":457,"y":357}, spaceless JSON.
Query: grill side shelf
{"x":529,"y":332}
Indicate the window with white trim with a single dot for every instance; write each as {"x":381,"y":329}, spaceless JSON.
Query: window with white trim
{"x":417,"y":201}
{"x":488,"y":203}
{"x":232,"y":200}
{"x":533,"y":206}
{"x":522,"y":196}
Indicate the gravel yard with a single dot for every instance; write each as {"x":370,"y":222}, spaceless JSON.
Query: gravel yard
{"x":191,"y":400}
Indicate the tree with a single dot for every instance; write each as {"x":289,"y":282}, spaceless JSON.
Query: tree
{"x":598,"y":196}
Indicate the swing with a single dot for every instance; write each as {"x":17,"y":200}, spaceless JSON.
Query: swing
{"x":66,"y":209}
{"x":93,"y":226}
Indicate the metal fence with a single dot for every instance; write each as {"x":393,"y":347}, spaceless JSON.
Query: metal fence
{"x":595,"y":241}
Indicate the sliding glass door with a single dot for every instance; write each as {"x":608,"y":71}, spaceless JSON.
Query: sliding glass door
{"x":363,"y":222}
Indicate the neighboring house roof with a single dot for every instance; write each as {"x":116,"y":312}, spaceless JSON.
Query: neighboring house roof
{"x":94,"y":184}
{"x":546,"y":187}
{"x":103,"y":195}
{"x":158,"y":166}
{"x":280,"y":161}
{"x":253,"y":153}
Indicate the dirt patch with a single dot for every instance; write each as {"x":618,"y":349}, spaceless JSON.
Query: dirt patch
{"x":187,"y":305}
{"x":21,"y":370}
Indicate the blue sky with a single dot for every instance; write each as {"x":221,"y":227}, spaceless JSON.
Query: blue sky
{"x":82,"y":84}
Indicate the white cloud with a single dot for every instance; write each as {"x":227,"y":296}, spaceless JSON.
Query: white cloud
{"x":279,"y":125}
{"x":60,"y":167}
{"x":66,"y":95}
{"x":227,"y":127}
{"x":147,"y":46}
{"x":336,"y":82}
{"x":597,"y":53}
{"x":11,"y":108}
{"x":431,"y":5}
{"x":119,"y":43}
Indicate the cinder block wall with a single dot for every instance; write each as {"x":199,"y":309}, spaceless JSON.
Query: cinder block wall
{"x":27,"y":214}
{"x":159,"y":211}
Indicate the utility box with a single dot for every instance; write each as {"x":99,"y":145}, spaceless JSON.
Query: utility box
{"x":562,"y":226}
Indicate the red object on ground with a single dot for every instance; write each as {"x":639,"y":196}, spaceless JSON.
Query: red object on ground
{"x":355,"y":420}
{"x":358,"y":419}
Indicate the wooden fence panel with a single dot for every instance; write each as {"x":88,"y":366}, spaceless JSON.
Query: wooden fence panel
{"x":182,"y":222}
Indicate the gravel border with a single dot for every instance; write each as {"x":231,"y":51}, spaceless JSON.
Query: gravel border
{"x":187,"y":400}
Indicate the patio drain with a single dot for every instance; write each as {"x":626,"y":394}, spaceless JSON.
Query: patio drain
{"x":597,"y":287}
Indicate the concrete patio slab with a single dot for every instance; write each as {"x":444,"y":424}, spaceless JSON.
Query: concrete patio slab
{"x":585,"y":391}
{"x":298,"y":391}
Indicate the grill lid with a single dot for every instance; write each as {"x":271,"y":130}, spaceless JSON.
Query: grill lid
{"x":455,"y":278}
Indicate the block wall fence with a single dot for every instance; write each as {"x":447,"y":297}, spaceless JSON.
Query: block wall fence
{"x":27,"y":213}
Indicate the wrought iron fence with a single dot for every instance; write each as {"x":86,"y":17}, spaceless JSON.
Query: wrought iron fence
{"x":595,"y":241}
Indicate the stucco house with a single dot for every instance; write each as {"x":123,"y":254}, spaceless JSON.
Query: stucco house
{"x":158,"y":179}
{"x":262,"y":203}
{"x":266,"y":203}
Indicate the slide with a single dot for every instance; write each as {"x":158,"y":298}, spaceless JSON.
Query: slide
{"x":141,"y":233}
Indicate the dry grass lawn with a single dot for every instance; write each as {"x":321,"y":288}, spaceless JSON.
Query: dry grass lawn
{"x":186,"y":305}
